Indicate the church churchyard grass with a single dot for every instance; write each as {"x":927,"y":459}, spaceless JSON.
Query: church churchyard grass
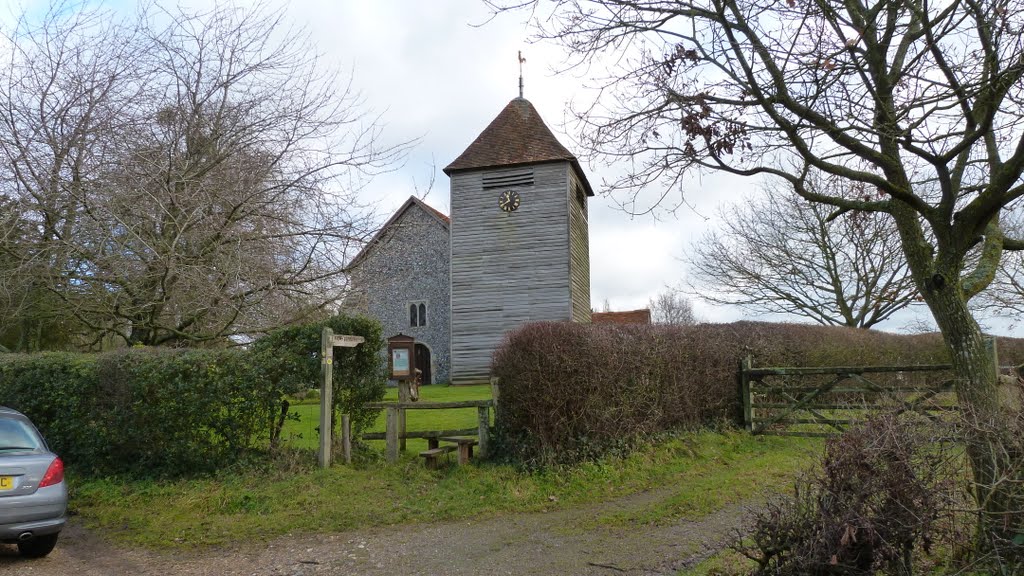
{"x":302,"y":433}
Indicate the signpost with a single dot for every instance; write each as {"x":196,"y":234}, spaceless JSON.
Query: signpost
{"x":328,"y":340}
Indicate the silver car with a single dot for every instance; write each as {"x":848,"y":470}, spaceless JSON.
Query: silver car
{"x":33,"y":495}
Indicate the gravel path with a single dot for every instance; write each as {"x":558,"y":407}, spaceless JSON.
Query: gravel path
{"x":560,"y":542}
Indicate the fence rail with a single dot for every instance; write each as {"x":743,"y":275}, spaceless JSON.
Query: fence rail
{"x":824,"y":401}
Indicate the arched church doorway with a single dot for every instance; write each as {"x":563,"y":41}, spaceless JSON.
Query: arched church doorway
{"x":423,"y":364}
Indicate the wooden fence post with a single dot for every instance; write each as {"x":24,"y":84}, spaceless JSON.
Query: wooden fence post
{"x":495,"y":393}
{"x":404,"y":396}
{"x":326,"y":394}
{"x":391,"y":432}
{"x":483,"y":414}
{"x":346,"y":437}
{"x":748,"y":409}
{"x":993,"y":350}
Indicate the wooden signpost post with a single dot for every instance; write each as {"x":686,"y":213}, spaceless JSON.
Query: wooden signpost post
{"x":401,"y":367}
{"x":328,"y":340}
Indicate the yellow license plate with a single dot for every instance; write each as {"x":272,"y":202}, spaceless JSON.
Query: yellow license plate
{"x":6,"y":483}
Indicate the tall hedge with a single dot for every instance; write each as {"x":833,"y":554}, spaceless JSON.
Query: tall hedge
{"x":575,"y":391}
{"x":171,"y":412}
{"x":290,"y":360}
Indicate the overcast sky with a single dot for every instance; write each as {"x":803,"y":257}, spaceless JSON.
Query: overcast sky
{"x":441,"y":70}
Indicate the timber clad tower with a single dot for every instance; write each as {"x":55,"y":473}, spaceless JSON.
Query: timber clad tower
{"x":519,"y":238}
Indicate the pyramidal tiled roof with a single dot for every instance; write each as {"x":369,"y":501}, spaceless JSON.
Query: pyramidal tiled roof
{"x":518,"y":135}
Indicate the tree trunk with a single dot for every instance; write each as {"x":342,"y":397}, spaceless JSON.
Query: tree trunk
{"x":993,"y":448}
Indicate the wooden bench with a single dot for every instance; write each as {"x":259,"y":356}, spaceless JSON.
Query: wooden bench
{"x":433,"y":455}
{"x":465,"y":445}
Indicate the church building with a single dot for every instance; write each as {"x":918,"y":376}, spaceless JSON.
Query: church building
{"x":514,"y":250}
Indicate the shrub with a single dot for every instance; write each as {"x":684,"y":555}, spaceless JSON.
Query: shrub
{"x":154,"y":412}
{"x":575,"y":391}
{"x":881,"y":494}
{"x":290,"y":359}
{"x":160,"y":412}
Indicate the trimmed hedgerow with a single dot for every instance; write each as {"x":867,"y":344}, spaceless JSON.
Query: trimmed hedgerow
{"x":161,"y":412}
{"x":576,"y":391}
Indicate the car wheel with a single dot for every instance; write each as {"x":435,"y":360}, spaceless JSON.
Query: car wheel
{"x":37,"y":547}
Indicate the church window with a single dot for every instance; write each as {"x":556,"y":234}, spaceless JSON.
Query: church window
{"x":417,"y":314}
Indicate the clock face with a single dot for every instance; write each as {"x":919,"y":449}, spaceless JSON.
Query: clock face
{"x":509,"y":200}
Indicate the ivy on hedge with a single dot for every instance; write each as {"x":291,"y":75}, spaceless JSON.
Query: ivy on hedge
{"x":160,"y":412}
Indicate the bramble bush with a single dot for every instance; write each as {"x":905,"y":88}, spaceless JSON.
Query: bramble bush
{"x":163,"y":412}
{"x":572,"y":392}
{"x":882,"y":498}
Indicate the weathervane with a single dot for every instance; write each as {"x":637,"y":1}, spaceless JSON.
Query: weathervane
{"x":521,"y":60}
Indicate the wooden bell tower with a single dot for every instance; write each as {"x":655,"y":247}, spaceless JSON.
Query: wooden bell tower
{"x":519,"y":237}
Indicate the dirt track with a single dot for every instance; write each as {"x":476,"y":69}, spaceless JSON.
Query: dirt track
{"x":561,"y":542}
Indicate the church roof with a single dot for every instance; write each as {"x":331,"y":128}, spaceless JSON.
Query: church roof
{"x":518,"y":135}
{"x":412,"y":201}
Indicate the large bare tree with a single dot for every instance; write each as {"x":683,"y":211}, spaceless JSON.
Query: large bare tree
{"x":188,"y":175}
{"x":920,"y":103}
{"x":778,"y":253}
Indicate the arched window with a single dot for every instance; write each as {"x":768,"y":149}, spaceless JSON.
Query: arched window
{"x":417,"y":314}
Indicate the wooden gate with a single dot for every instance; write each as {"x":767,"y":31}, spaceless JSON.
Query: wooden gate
{"x":824,"y":401}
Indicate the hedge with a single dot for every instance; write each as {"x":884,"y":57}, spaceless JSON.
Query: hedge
{"x":571,"y":392}
{"x":160,"y":412}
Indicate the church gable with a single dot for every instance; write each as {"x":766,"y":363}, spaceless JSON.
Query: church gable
{"x":399,"y":221}
{"x":401,"y":279}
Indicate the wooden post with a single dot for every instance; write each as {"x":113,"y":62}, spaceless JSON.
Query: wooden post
{"x":346,"y":437}
{"x":993,"y":350}
{"x":391,"y":432}
{"x":326,"y":394}
{"x":748,"y":409}
{"x":494,"y":395}
{"x":404,"y":396}
{"x":484,"y":424}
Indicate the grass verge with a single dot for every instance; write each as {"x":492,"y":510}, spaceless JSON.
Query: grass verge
{"x":257,"y":507}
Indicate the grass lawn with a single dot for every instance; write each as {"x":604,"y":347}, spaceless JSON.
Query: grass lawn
{"x":258,"y":506}
{"x":303,"y":433}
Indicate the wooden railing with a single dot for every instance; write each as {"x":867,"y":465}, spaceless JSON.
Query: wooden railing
{"x":395,"y":431}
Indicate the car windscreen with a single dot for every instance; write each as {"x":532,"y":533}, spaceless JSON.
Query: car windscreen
{"x":16,"y":434}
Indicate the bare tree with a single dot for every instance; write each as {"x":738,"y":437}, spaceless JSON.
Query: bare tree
{"x":189,"y":175}
{"x":778,"y":253}
{"x":918,"y":103}
{"x":671,"y":307}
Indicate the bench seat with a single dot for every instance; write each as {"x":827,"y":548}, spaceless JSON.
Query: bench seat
{"x":432,"y":456}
